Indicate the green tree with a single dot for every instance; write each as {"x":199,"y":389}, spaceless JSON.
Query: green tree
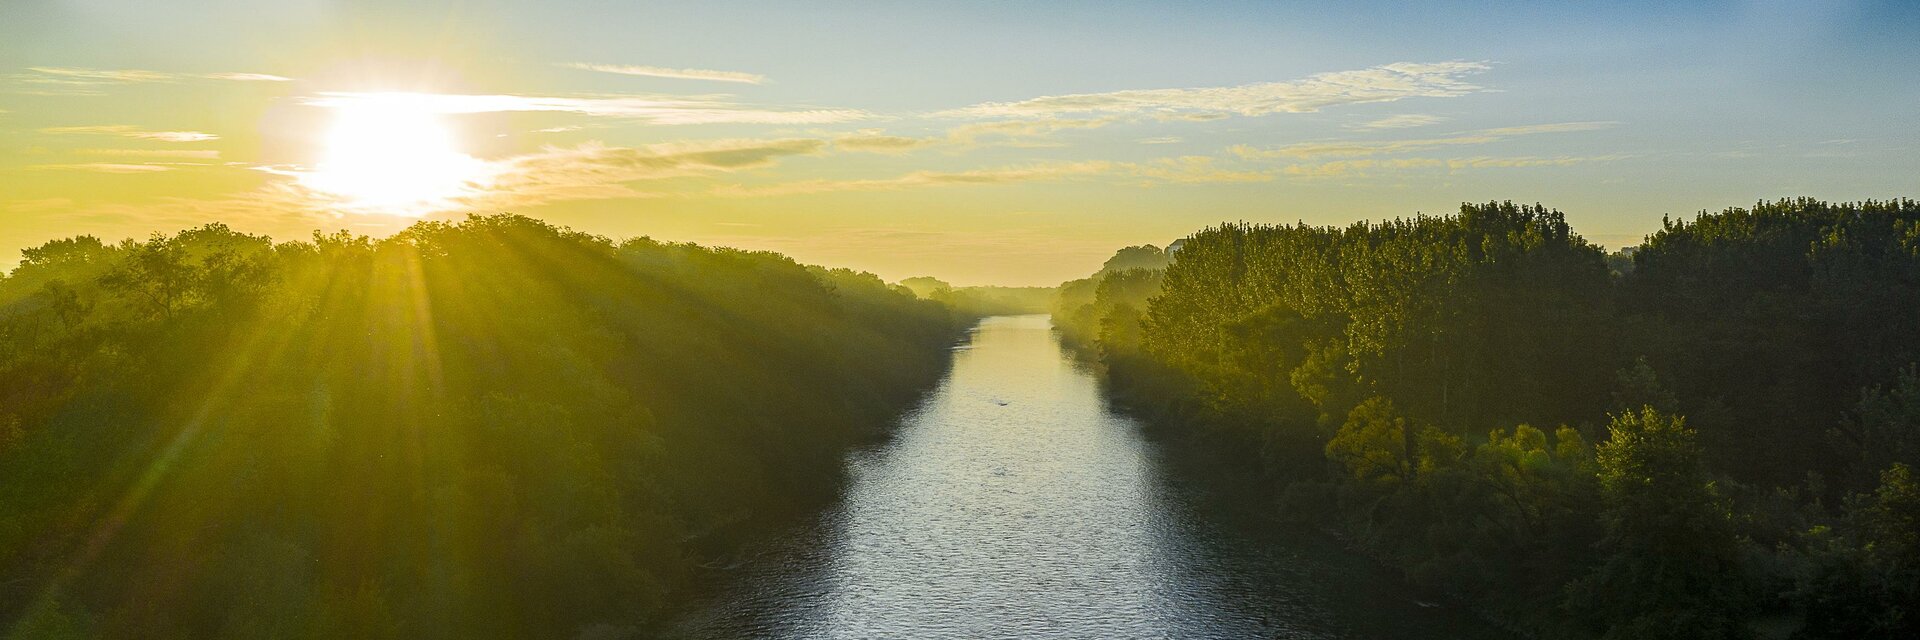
{"x":1374,"y":445}
{"x":1670,"y":569}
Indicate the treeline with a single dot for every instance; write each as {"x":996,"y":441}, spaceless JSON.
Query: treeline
{"x":982,"y":301}
{"x":491,"y":428}
{"x":1114,"y":296}
{"x":1712,"y":436}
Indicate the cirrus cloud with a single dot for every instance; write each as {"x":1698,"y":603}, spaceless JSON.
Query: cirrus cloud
{"x":1362,"y":148}
{"x":82,"y":81}
{"x":1385,"y":83}
{"x":1402,"y":121}
{"x":131,"y":131}
{"x":645,"y":108}
{"x":1181,"y":170}
{"x":1366,"y":166}
{"x":666,"y":72}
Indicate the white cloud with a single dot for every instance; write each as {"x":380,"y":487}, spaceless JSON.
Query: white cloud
{"x":248,"y":77}
{"x":131,"y":131}
{"x":650,"y":109}
{"x":1403,"y":121}
{"x":176,"y":136}
{"x":1362,"y":148}
{"x":1160,"y":140}
{"x":665,"y":72}
{"x":1558,"y":127}
{"x":1356,"y":148}
{"x":1194,"y":170}
{"x":1004,"y":133}
{"x":1182,"y":170}
{"x":1367,"y":166}
{"x":195,"y":154}
{"x":1385,"y":83}
{"x":79,"y":76}
{"x":1028,"y":173}
{"x":1038,"y":128}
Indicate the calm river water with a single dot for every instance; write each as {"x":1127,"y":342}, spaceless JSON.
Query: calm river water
{"x":1014,"y":503}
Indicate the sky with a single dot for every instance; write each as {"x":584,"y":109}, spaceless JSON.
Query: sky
{"x":978,"y":142}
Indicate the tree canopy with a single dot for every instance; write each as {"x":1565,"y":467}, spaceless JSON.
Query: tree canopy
{"x":486,"y":428}
{"x":1747,"y":376}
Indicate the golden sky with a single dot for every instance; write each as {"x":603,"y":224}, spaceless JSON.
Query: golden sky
{"x":980,"y":143}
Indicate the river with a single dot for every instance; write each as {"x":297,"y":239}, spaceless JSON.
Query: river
{"x":1015,"y":503}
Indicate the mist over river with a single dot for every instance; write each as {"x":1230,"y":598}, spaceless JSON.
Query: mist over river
{"x":1015,"y":503}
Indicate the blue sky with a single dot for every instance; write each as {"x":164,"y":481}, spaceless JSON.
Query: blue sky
{"x":979,"y":142}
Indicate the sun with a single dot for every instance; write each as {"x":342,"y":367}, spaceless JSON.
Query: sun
{"x":393,"y":154}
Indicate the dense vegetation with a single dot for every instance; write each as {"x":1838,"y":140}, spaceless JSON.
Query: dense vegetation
{"x":1114,"y":296}
{"x":494,"y":428}
{"x":1712,"y":436}
{"x":982,"y":301}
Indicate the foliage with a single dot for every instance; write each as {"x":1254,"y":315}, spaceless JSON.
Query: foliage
{"x":1086,"y":308}
{"x":1669,"y":570}
{"x":490,"y":428}
{"x":1388,"y":373}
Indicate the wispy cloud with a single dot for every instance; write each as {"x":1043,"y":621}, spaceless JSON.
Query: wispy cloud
{"x":80,"y":78}
{"x":1557,"y":127}
{"x":590,"y":171}
{"x":666,"y":72}
{"x":1033,"y":128}
{"x":1366,"y":166}
{"x":1006,"y":133}
{"x":40,"y":205}
{"x":1027,"y":173}
{"x":59,"y":75}
{"x":1385,"y":83}
{"x":1160,"y":140}
{"x":1182,"y":170}
{"x":1363,"y":148}
{"x":1356,"y":148}
{"x":131,"y":131}
{"x":247,"y":77}
{"x":195,"y":154}
{"x":874,"y":141}
{"x":104,"y":167}
{"x":595,"y":171}
{"x":1403,"y":121}
{"x":650,"y":109}
{"x":1194,"y":170}
{"x":586,"y":172}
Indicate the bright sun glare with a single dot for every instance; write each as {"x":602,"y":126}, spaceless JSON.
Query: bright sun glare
{"x":393,"y":155}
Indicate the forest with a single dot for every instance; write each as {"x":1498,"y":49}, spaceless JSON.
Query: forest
{"x":485,"y":428}
{"x":982,"y":301}
{"x":1710,"y":435}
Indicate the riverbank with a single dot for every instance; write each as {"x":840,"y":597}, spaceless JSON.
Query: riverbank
{"x":1240,"y":494}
